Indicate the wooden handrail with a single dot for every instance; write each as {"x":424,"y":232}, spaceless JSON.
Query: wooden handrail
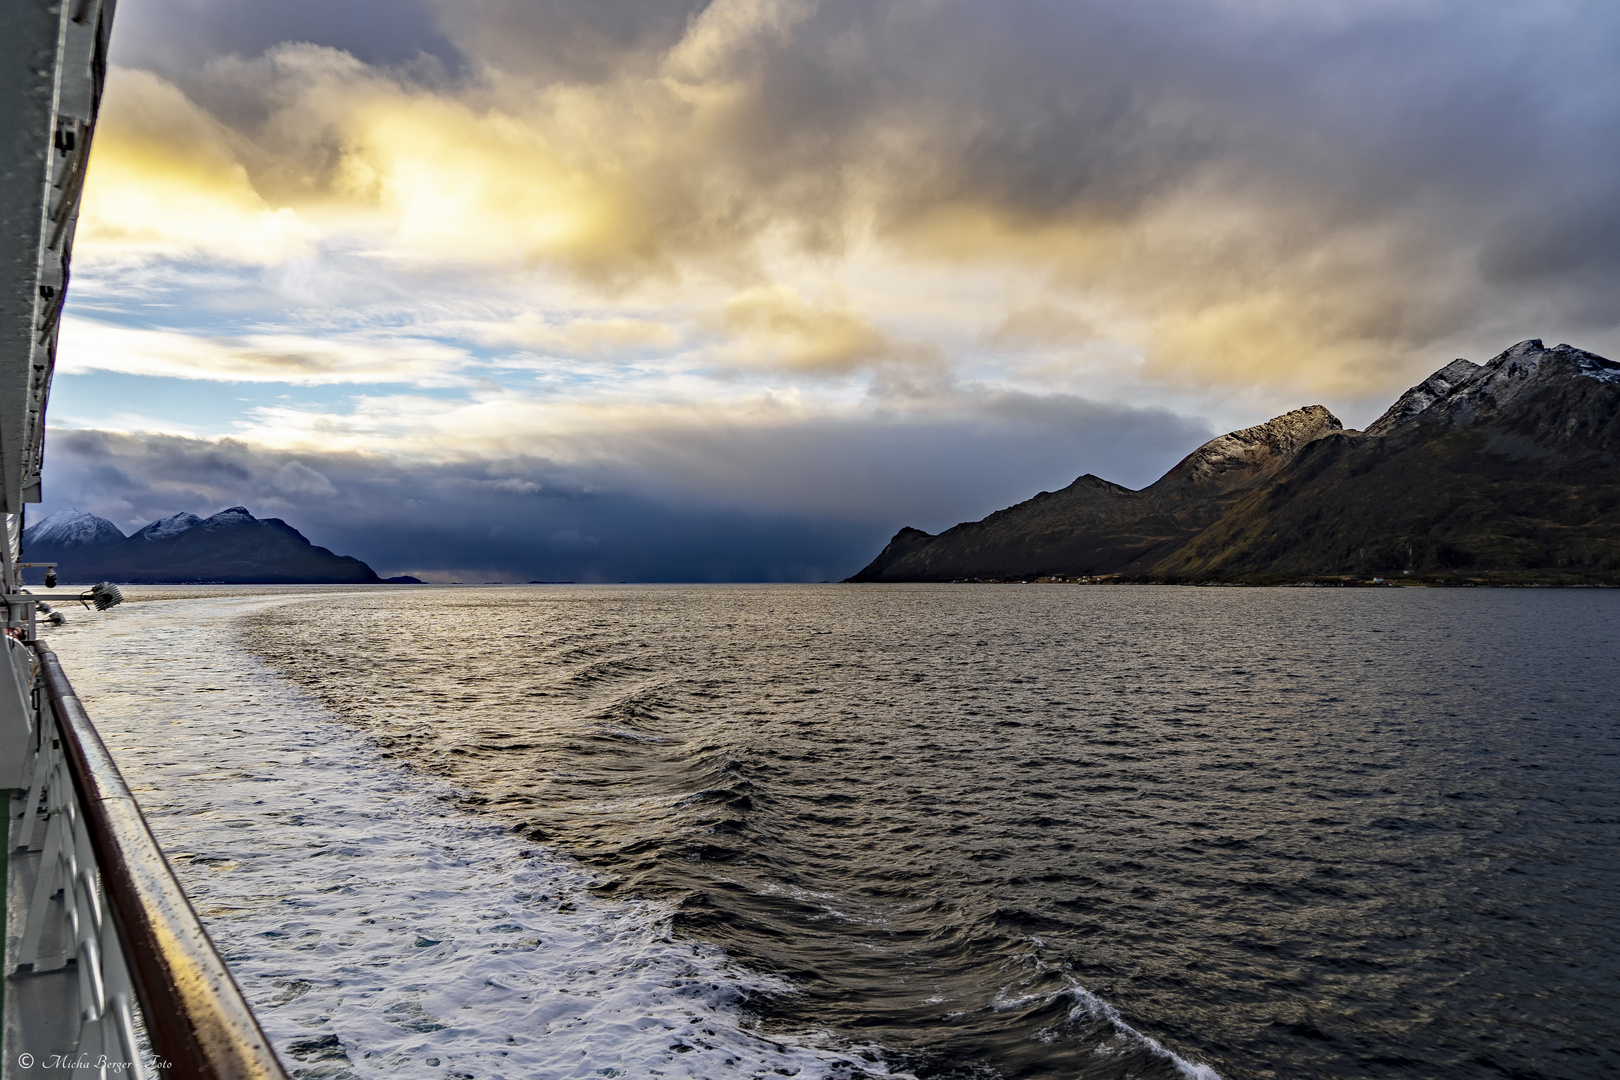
{"x":196,"y":1017}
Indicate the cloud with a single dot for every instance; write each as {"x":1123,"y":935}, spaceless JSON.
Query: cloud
{"x":451,"y":522}
{"x":916,"y":452}
{"x":776,"y":327}
{"x":481,"y":172}
{"x":581,"y":336}
{"x":1041,"y":325}
{"x":90,"y":345}
{"x":513,"y":484}
{"x":295,"y":479}
{"x":1313,"y":196}
{"x":788,"y":496}
{"x":175,"y":37}
{"x":166,"y":179}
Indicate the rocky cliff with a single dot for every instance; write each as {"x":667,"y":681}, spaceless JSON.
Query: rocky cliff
{"x":1508,"y":470}
{"x":1094,"y":527}
{"x":1497,"y":471}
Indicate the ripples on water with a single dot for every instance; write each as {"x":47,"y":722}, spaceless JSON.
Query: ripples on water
{"x":377,"y":930}
{"x":1040,"y":831}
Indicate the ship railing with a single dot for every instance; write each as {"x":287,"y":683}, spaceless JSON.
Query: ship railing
{"x":149,"y":992}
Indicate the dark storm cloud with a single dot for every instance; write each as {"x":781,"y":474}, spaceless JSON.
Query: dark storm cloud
{"x":1044,"y":104}
{"x":807,"y":502}
{"x":564,"y":39}
{"x":176,"y":37}
{"x":1260,"y":188}
{"x":1253,"y":193}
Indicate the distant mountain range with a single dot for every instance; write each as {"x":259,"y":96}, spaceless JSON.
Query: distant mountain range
{"x":1503,"y":472}
{"x":233,"y":548}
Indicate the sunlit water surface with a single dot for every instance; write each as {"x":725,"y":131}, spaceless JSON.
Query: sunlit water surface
{"x":959,"y":831}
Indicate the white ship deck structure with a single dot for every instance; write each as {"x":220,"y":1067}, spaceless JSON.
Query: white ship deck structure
{"x":107,"y":970}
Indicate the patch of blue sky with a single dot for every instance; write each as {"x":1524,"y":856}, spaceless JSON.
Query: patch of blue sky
{"x":520,"y":370}
{"x":190,"y":301}
{"x":250,"y":314}
{"x":161,"y":288}
{"x":199,"y":407}
{"x":317,"y":335}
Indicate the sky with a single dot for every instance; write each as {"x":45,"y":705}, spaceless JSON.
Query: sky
{"x":651,"y":290}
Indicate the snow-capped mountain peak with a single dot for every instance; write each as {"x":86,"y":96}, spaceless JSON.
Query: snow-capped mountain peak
{"x":230,"y":516}
{"x":1596,"y":367}
{"x":71,"y":528}
{"x":164,"y":528}
{"x":1462,"y":393}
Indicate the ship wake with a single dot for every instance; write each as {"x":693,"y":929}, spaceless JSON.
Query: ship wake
{"x":377,"y":928}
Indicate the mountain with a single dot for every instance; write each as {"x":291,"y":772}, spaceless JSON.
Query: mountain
{"x":173,"y":525}
{"x":66,"y":530}
{"x":233,"y":547}
{"x":1500,"y":471}
{"x":1094,"y":527}
{"x":1503,"y":471}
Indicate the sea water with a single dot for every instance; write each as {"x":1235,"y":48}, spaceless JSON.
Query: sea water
{"x":945,"y":831}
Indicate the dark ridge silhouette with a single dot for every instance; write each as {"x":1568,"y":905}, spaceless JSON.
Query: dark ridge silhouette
{"x":231,"y":548}
{"x":1503,"y":472}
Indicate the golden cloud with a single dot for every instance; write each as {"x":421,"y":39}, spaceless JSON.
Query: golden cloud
{"x":625,"y":179}
{"x":1223,"y":281}
{"x":691,"y":167}
{"x":1041,"y":325}
{"x":776,"y":327}
{"x":165,"y":178}
{"x":505,"y":424}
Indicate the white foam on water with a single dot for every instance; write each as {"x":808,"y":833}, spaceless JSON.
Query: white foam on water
{"x":1089,"y":1005}
{"x":376,"y":929}
{"x":1084,"y":1006}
